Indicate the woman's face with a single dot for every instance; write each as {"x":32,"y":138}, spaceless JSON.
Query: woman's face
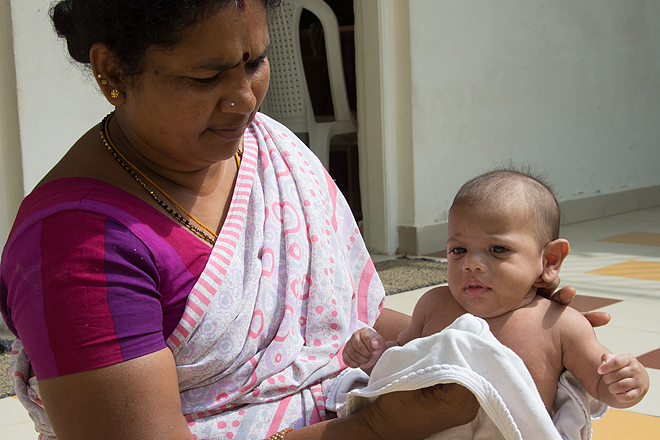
{"x":192,"y":103}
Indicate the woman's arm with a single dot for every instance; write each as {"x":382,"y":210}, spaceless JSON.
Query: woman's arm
{"x":390,"y":323}
{"x":131,"y":400}
{"x":407,"y":415}
{"x":139,"y":399}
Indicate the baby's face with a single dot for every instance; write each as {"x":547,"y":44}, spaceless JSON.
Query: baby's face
{"x":493,"y":258}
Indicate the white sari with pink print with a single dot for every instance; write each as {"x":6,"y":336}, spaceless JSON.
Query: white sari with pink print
{"x":288,"y":281}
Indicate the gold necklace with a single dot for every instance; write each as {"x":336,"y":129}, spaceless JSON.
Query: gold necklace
{"x":134,"y":171}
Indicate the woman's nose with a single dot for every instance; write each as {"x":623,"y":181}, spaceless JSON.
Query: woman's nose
{"x":239,"y":97}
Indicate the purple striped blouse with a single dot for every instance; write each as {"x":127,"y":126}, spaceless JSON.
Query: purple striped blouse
{"x":91,"y":276}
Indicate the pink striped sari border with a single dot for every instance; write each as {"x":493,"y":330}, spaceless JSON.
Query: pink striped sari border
{"x":204,"y":290}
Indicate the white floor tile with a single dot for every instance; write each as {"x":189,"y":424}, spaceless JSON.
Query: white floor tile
{"x":12,"y":413}
{"x":603,"y":228}
{"x":635,"y":315}
{"x":621,"y":340}
{"x":653,"y":229}
{"x":650,"y":215}
{"x":581,"y":262}
{"x":604,"y":249}
{"x":405,"y":302}
{"x":22,"y":431}
{"x":617,"y":288}
{"x":652,"y":298}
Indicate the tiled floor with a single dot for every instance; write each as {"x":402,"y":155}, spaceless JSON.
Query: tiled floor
{"x":615,"y":266}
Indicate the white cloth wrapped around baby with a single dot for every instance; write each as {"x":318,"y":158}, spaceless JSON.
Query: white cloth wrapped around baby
{"x":467,"y":353}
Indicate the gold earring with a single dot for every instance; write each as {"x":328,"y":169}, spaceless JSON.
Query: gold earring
{"x":114,"y":93}
{"x":104,"y":82}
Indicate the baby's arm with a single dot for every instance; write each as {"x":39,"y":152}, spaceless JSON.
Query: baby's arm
{"x":619,"y":381}
{"x":624,"y":378}
{"x":365,"y":346}
{"x":363,"y":349}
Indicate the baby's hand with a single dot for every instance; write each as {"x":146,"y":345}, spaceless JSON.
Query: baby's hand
{"x":363,"y":349}
{"x":626,"y":378}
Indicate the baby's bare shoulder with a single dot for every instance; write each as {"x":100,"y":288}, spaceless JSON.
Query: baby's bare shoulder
{"x":438,"y":308}
{"x":565,"y":319}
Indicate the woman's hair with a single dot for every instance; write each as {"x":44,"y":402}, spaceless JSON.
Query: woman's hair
{"x":128,"y":27}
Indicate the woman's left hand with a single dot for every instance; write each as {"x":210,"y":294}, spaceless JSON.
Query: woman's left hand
{"x":565,"y":295}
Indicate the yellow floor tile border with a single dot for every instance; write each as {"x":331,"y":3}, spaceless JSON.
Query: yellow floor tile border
{"x":626,"y":425}
{"x":643,"y":270}
{"x":643,"y":238}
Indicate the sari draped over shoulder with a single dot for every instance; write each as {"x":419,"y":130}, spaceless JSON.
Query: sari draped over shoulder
{"x":288,"y":281}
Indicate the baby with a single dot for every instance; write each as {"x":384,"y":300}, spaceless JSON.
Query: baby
{"x":504,"y":243}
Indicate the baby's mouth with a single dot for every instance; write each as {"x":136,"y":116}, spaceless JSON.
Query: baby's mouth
{"x":475,"y":289}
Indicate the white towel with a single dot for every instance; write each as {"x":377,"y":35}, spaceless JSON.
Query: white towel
{"x":467,"y":353}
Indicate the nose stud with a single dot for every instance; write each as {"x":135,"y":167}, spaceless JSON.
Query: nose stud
{"x":232,"y":104}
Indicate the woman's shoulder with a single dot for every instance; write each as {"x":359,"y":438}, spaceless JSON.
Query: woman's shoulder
{"x":79,"y":194}
{"x":76,"y":200}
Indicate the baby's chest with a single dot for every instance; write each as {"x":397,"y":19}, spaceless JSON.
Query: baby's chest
{"x":540,"y":352}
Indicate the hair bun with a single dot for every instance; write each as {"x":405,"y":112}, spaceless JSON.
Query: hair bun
{"x":62,"y":16}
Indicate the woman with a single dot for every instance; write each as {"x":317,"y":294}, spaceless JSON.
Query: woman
{"x":188,"y":269}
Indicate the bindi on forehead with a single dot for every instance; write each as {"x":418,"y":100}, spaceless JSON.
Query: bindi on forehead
{"x":246,"y":56}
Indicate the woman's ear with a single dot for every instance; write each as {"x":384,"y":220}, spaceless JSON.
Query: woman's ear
{"x":553,"y":256}
{"x":107,"y":74}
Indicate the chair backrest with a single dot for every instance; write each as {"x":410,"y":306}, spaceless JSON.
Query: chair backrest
{"x":288,"y":98}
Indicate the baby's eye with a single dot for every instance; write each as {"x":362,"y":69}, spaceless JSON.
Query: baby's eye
{"x":457,"y":250}
{"x":498,"y":249}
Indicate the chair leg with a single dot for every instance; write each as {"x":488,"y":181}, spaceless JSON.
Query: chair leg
{"x":319,"y":143}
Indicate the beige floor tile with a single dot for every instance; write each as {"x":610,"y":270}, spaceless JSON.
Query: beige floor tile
{"x":626,"y":425}
{"x":640,"y":238}
{"x":638,"y":269}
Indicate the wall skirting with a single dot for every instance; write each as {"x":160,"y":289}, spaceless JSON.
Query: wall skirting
{"x":421,"y":240}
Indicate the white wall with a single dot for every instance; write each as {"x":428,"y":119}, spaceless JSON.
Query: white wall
{"x":58,"y":102}
{"x":573,"y":86}
{"x":11,"y":180}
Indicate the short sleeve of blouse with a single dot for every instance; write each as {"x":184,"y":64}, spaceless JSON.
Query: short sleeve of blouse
{"x":82,"y":294}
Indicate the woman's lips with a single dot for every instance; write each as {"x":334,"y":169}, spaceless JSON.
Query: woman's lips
{"x":229,"y":133}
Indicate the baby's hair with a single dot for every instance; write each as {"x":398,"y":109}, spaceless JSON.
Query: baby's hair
{"x":499,"y":185}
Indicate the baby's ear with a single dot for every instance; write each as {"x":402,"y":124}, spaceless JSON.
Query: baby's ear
{"x":553,"y":255}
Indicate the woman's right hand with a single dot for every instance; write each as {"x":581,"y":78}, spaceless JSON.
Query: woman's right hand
{"x":421,"y":413}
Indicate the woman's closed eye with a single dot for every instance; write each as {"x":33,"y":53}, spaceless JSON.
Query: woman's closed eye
{"x":208,"y":80}
{"x":256,"y":64}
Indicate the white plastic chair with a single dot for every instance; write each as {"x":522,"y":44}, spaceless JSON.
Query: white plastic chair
{"x":288,"y":99}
